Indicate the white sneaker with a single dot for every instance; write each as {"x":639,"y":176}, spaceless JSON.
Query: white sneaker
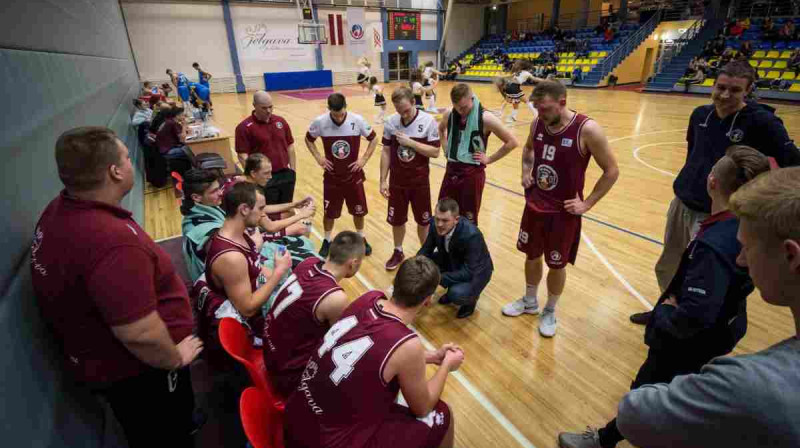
{"x":548,"y":324}
{"x":520,"y":307}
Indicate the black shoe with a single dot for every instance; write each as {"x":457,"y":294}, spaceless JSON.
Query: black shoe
{"x":445,"y":299}
{"x":367,"y":248}
{"x":326,"y":247}
{"x":641,"y":318}
{"x":465,"y":311}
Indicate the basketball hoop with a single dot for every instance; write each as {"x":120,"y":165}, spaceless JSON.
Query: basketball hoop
{"x":311,"y":33}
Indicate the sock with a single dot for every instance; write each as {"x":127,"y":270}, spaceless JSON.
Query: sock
{"x":531,"y":292}
{"x":552,"y":299}
{"x":514,"y":113}
{"x":432,"y":102}
{"x":399,"y":248}
{"x":360,"y":232}
{"x":328,"y":235}
{"x":530,"y":106}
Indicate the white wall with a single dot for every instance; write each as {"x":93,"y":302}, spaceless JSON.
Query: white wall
{"x":465,"y":28}
{"x":428,"y":31}
{"x":425,"y":56}
{"x":176,"y":35}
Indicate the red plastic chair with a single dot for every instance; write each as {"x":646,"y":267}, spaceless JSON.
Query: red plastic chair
{"x":262,"y":425}
{"x":235,"y":340}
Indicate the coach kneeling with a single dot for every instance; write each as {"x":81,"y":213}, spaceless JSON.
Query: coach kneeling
{"x":458,"y":248}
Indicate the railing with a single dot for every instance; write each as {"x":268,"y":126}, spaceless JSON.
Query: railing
{"x":767,"y":8}
{"x":623,"y":49}
{"x":669,"y":51}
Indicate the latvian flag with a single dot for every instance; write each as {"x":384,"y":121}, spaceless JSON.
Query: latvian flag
{"x":335,"y":30}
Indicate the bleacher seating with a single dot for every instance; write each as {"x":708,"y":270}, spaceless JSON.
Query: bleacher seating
{"x":532,"y":48}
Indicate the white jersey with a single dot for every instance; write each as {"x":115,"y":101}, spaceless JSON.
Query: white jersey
{"x":409,"y":169}
{"x":364,"y":70}
{"x":416,"y":88}
{"x":427,"y":73}
{"x":341,"y":143}
{"x":524,"y":76}
{"x":377,"y":90}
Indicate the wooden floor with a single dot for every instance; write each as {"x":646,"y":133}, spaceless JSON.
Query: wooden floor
{"x":517,"y":388}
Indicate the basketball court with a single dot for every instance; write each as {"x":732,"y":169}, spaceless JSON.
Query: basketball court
{"x":515,"y":388}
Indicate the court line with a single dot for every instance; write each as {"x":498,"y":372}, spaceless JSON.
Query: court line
{"x":636,"y":156}
{"x":615,"y":272}
{"x":476,"y":394}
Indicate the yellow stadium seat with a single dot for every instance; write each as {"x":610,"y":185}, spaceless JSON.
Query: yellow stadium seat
{"x":753,"y":63}
{"x":569,"y":61}
{"x":779,"y":64}
{"x":709,"y":82}
{"x":585,"y":68}
{"x":571,"y":54}
{"x":570,"y":68}
{"x":594,"y":62}
{"x":774,"y":54}
{"x":561,"y":68}
{"x":773,"y":74}
{"x":788,"y":75}
{"x":786,"y":54}
{"x":765,"y":64}
{"x":762,"y":73}
{"x":602,"y":54}
{"x":760,"y":54}
{"x":795,"y":87}
{"x":536,"y":55}
{"x":593,"y":54}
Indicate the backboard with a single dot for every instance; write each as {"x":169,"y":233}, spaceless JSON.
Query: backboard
{"x":311,"y":33}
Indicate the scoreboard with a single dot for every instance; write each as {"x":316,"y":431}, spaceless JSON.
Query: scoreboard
{"x":404,"y":25}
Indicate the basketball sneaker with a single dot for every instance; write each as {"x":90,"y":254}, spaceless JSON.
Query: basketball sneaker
{"x":326,"y":246}
{"x":548,"y":323}
{"x":521,"y":306}
{"x":588,"y":439}
{"x":394,"y":262}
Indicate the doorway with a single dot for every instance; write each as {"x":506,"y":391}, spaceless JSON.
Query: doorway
{"x":647,"y":68}
{"x":399,"y":62}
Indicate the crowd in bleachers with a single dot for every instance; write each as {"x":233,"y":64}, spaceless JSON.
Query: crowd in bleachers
{"x":771,"y":46}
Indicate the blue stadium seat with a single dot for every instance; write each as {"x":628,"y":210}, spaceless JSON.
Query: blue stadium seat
{"x":780,"y":45}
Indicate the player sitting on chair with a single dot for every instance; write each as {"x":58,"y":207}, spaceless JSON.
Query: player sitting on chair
{"x":457,"y":246}
{"x":341,"y":133}
{"x":307,"y":305}
{"x":703,"y":312}
{"x":347,"y":396}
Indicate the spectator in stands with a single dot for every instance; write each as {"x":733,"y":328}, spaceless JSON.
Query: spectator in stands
{"x":768,"y":31}
{"x":735,"y":30}
{"x":577,"y":74}
{"x":111,"y":296}
{"x":266,"y":133}
{"x":788,"y":31}
{"x":746,"y":50}
{"x":794,"y":61}
{"x":749,"y":400}
{"x":727,"y":56}
{"x":745,"y":23}
{"x":142,"y":114}
{"x":697,"y":77}
{"x":171,"y":135}
{"x":608,"y":35}
{"x":712,"y":129}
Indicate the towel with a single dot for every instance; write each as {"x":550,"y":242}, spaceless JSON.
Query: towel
{"x":198,"y":226}
{"x":461,"y":149}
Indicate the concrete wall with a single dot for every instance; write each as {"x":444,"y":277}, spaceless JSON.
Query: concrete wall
{"x":527,"y":9}
{"x":65,"y":64}
{"x":465,"y":28}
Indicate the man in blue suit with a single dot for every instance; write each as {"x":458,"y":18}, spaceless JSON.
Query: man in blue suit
{"x":457,"y":246}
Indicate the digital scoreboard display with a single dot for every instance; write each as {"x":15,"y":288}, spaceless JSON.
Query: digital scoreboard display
{"x":404,"y":26}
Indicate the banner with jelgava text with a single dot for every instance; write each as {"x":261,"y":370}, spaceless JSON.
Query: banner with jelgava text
{"x":356,"y":31}
{"x":271,"y":42}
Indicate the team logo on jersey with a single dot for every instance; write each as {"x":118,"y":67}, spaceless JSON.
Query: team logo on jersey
{"x":546,"y":177}
{"x":539,"y":137}
{"x":279,"y":125}
{"x":310,"y":371}
{"x":340,"y":149}
{"x":736,"y":135}
{"x":357,"y":32}
{"x":555,"y":256}
{"x":405,"y":154}
{"x":566,"y":142}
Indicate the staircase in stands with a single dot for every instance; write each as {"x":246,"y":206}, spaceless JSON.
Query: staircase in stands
{"x":675,"y":68}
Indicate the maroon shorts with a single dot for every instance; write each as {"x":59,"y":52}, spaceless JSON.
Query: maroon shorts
{"x":464,"y":183}
{"x":420,"y":200}
{"x":334,"y":195}
{"x":402,"y":429}
{"x":555,"y":235}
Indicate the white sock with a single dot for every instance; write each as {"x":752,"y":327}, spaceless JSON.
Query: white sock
{"x":432,"y":103}
{"x":514,"y":113}
{"x":360,"y":232}
{"x":399,"y":248}
{"x":552,"y":299}
{"x":531,"y":292}
{"x":530,"y":106}
{"x":328,"y":235}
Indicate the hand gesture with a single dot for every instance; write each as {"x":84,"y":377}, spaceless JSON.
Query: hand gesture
{"x":671,"y":301}
{"x":440,"y":354}
{"x":282,"y":262}
{"x":404,"y":140}
{"x":576,"y":206}
{"x":481,"y":158}
{"x":385,"y":189}
{"x":453,"y":359}
{"x":325,"y":164}
{"x":305,"y":202}
{"x":307,"y":211}
{"x":527,"y":180}
{"x":189,"y":348}
{"x":358,"y":165}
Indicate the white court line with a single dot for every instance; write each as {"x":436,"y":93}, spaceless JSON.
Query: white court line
{"x":636,"y":156}
{"x":477,"y":394}
{"x":646,"y":133}
{"x":614,"y":271}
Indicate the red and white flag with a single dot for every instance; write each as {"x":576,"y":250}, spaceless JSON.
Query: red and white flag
{"x":335,"y":29}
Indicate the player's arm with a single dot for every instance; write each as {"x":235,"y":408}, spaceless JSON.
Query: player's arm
{"x":292,"y":157}
{"x":242,"y":144}
{"x":528,"y":159}
{"x":597,"y":144}
{"x":443,"y":129}
{"x":370,"y":150}
{"x":231,"y":268}
{"x":386,"y":159}
{"x":207,"y":75}
{"x":492,"y":123}
{"x":331,"y":307}
{"x":312,"y":148}
{"x":276,"y":226}
{"x":408,"y":361}
{"x":421,"y":148}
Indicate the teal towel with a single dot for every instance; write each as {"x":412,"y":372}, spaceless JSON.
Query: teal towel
{"x":459,"y":148}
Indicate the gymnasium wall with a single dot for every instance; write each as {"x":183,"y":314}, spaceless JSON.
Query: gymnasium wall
{"x":632,"y":69}
{"x":465,"y":28}
{"x":527,"y":9}
{"x":65,"y":64}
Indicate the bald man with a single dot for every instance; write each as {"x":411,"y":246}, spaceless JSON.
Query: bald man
{"x":268,"y":134}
